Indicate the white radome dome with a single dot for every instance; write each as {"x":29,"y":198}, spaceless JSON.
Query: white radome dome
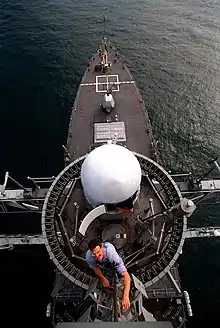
{"x":110,"y":174}
{"x":217,"y":233}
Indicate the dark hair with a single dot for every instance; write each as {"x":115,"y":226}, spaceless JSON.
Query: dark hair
{"x":93,"y":243}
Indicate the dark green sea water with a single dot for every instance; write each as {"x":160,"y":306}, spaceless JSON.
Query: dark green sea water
{"x":173,"y":50}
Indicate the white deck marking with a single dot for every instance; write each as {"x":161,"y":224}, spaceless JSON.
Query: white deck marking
{"x":93,"y":83}
{"x":106,"y":80}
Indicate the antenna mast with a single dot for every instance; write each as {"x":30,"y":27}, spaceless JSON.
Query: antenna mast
{"x":104,"y":21}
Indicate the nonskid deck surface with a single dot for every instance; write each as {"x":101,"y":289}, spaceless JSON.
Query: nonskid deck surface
{"x":129,"y":109}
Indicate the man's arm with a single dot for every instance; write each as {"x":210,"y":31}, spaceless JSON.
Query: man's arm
{"x":96,"y":269}
{"x":98,"y":272}
{"x":118,"y":263}
{"x":103,"y":279}
{"x":127,"y":283}
{"x":125,"y":302}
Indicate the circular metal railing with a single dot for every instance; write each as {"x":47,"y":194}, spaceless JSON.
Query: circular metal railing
{"x":148,"y":275}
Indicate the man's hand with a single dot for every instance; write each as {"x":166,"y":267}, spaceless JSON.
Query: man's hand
{"x":105,"y":282}
{"x":125,"y":303}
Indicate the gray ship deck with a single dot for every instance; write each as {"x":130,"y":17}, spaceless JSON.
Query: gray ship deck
{"x":129,"y":109}
{"x":151,"y":247}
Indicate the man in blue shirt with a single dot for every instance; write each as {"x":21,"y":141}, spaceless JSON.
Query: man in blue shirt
{"x":104,"y":255}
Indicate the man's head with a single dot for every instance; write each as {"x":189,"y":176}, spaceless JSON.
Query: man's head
{"x":97,"y":249}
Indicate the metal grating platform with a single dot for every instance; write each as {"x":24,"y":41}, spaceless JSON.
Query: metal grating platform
{"x":108,"y":131}
{"x":157,"y":269}
{"x":162,"y":324}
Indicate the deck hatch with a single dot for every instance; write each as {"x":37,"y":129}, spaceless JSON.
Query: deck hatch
{"x":107,"y":131}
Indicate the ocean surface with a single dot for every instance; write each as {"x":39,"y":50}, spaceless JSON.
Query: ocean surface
{"x":173,"y":51}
